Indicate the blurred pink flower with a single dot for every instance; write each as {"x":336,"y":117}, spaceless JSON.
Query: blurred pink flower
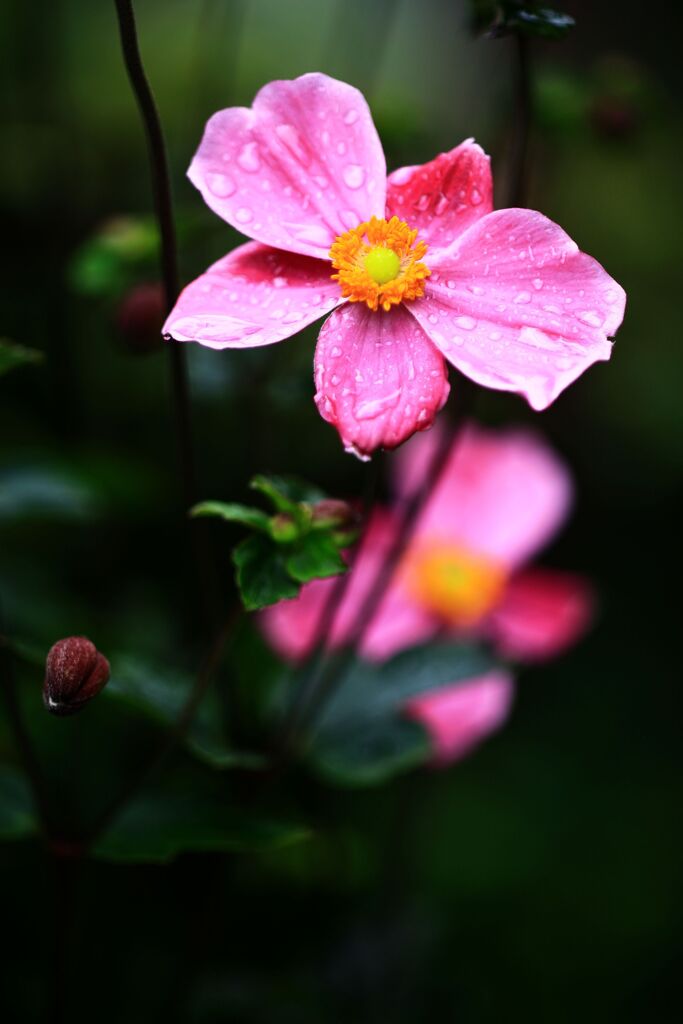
{"x":459,"y":716}
{"x":505,"y":296}
{"x":501,"y":498}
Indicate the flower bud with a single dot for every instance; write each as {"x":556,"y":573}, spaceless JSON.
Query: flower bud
{"x":75,"y":672}
{"x":140,"y":317}
{"x":333,"y":512}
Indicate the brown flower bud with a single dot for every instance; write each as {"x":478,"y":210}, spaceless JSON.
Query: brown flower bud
{"x":75,"y":672}
{"x":140,"y":317}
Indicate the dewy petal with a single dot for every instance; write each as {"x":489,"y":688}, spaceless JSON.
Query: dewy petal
{"x":253,"y":296}
{"x":542,"y":613}
{"x":443,"y":197}
{"x":291,"y":626}
{"x":502,"y":494}
{"x":300,"y":167}
{"x":378,"y":377}
{"x":515,"y":306}
{"x":458,"y":717}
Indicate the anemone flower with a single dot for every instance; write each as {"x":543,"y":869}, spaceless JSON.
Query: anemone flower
{"x":414,"y":269}
{"x":501,"y":497}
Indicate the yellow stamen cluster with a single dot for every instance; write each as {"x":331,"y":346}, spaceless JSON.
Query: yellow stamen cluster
{"x":362,"y":258}
{"x":458,"y":585}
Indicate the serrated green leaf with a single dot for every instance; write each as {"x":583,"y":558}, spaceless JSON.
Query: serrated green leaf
{"x":12,"y":356}
{"x":187,"y":811}
{"x":315,"y":556}
{"x":233,"y":513}
{"x":17,"y":813}
{"x":262,"y":576}
{"x":361,"y":738}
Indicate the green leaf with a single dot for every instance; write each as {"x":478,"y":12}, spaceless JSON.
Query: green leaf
{"x":287,"y":488}
{"x":17,"y":813}
{"x":160,"y":694}
{"x":12,"y":356}
{"x":233,"y":513}
{"x":262,"y":576}
{"x":190,"y":810}
{"x":361,"y":738}
{"x":315,"y":556}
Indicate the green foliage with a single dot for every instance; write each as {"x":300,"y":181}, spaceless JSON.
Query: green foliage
{"x":17,"y":817}
{"x":114,"y":256}
{"x":160,"y":694}
{"x":13,"y":356}
{"x":302,"y":541}
{"x":362,"y":738}
{"x":191,"y":810}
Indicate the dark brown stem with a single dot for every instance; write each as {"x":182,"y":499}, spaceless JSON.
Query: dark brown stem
{"x":334,"y":670}
{"x":161,"y":186}
{"x":519,"y":156}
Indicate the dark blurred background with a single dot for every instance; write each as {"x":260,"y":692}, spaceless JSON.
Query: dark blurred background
{"x":540,"y":879}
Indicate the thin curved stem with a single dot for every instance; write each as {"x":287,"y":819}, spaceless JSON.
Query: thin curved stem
{"x":161,"y":186}
{"x":334,"y":670}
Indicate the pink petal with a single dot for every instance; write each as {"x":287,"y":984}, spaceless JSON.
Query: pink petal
{"x":300,"y":167}
{"x":378,"y":377}
{"x":515,"y":306}
{"x":444,"y":197}
{"x":542,"y":613}
{"x":253,"y":296}
{"x":458,"y":717}
{"x":291,"y":626}
{"x":502,"y":494}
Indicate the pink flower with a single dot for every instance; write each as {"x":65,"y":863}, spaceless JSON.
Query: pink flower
{"x":458,"y":717}
{"x":412,"y":267}
{"x":501,"y":498}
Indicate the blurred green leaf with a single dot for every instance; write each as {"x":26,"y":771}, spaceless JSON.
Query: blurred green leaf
{"x":262,"y":576}
{"x":361,"y":738}
{"x":285,"y":490}
{"x":114,"y":256}
{"x":233,"y":513}
{"x":160,"y":694}
{"x":17,"y":815}
{"x":315,"y":556}
{"x":13,"y":355}
{"x":189,"y":811}
{"x":45,"y":492}
{"x":502,"y":17}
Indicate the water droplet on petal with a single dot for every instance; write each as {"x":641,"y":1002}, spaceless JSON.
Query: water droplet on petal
{"x":243,"y":215}
{"x":423,"y":202}
{"x":221,"y":185}
{"x":476,"y":197}
{"x":441,"y":205}
{"x":354,"y":176}
{"x":466,"y":323}
{"x":336,"y":352}
{"x":590,"y":318}
{"x":537,"y":283}
{"x":351,"y":116}
{"x":341,"y":148}
{"x":279,"y":282}
{"x":248,"y":157}
{"x":402,"y":176}
{"x":523,"y":298}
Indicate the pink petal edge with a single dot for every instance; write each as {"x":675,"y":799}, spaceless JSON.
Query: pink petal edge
{"x":444,"y":197}
{"x":300,"y":167}
{"x":515,"y":306}
{"x":253,"y":296}
{"x":503,"y":494}
{"x":378,"y":377}
{"x":459,"y":716}
{"x":542,"y":613}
